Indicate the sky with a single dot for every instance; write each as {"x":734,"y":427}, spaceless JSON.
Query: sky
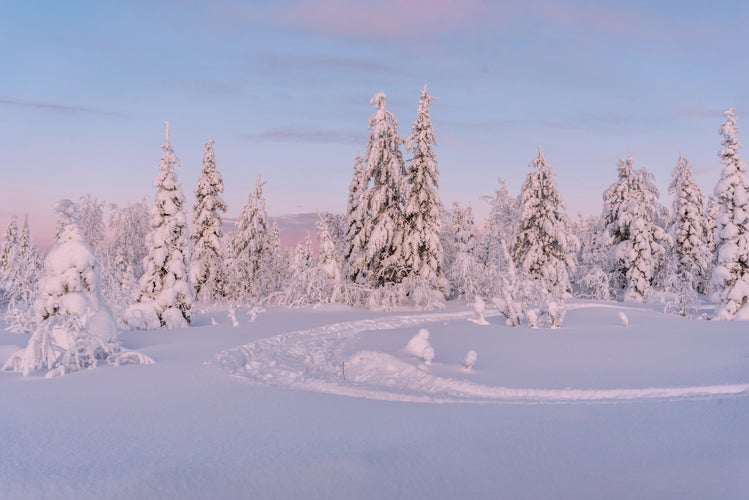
{"x":283,"y":88}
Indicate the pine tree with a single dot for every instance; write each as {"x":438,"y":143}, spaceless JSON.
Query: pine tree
{"x":252,"y":249}
{"x":731,"y":272}
{"x":166,"y":296}
{"x":356,"y":216}
{"x":207,"y":271}
{"x":422,"y":246}
{"x":381,"y":236}
{"x":637,"y":242}
{"x":544,"y":246}
{"x":689,"y":228}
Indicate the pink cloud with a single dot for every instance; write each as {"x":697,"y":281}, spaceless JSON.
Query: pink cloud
{"x":382,"y":19}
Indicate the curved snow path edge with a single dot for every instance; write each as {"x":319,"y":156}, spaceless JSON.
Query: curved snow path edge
{"x":313,"y":360}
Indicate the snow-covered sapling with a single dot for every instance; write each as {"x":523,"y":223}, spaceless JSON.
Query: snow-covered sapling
{"x":428,"y":355}
{"x":532,"y":315}
{"x":623,"y":317}
{"x":469,"y":360}
{"x":418,"y":343}
{"x":479,"y":307}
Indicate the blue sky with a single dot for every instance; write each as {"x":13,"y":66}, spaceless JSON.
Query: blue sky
{"x":283,"y":88}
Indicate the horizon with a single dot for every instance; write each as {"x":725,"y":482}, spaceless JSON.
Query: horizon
{"x":284,"y":91}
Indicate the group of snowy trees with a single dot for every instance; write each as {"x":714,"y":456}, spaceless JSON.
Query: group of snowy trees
{"x":396,"y":245}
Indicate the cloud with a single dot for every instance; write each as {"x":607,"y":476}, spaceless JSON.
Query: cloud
{"x":389,"y":19}
{"x":56,"y":107}
{"x":301,"y":135}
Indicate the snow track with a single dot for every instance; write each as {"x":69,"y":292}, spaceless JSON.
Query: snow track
{"x":315,"y":360}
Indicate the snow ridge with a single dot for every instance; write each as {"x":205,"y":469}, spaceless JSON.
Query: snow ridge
{"x":314,"y":360}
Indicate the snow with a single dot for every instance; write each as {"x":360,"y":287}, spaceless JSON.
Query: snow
{"x":325,"y":403}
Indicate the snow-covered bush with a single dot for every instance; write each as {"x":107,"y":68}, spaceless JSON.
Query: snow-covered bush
{"x":479,"y":307}
{"x":418,"y":343}
{"x":469,"y":360}
{"x":623,"y":318}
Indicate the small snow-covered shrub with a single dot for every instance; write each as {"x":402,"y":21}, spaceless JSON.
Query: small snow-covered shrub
{"x":623,"y":318}
{"x":428,"y":355}
{"x":469,"y":360}
{"x":418,"y":343}
{"x":479,"y":307}
{"x":532,"y":315}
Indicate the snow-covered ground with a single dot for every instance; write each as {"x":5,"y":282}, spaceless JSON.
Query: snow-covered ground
{"x":329,"y":403}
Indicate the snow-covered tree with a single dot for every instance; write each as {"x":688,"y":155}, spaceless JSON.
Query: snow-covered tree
{"x":19,"y":274}
{"x":591,"y":280}
{"x":689,"y":227}
{"x":544,"y":247}
{"x":422,"y":246}
{"x":381,"y":236}
{"x":501,"y":223}
{"x":638,"y":244}
{"x":207,"y":264}
{"x":251,"y":268}
{"x":465,"y":272}
{"x":731,"y":272}
{"x":166,"y":295}
{"x":356,"y":216}
{"x":91,"y":213}
{"x":9,"y":249}
{"x":75,"y":329}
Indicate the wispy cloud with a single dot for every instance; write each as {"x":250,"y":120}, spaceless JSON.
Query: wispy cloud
{"x":382,"y":19}
{"x":301,"y":135}
{"x":57,"y":107}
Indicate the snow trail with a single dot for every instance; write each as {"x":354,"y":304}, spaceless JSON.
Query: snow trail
{"x":314,"y":360}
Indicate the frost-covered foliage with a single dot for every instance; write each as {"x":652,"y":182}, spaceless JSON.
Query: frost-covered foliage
{"x":75,"y":329}
{"x":121,"y":259}
{"x":20,"y":270}
{"x":637,"y":242}
{"x":591,"y":280}
{"x":207,"y":263}
{"x":376,"y":221}
{"x":689,"y":228}
{"x":422,"y":247}
{"x":465,"y":272}
{"x":469,"y":360}
{"x":91,"y":216}
{"x":731,"y":272}
{"x":253,"y":270}
{"x":501,"y":224}
{"x":479,"y":307}
{"x":311,"y":282}
{"x":166,"y":295}
{"x":544,"y":246}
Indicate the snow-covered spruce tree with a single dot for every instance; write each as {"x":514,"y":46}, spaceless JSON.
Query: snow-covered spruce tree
{"x":422,"y":247}
{"x":21,"y":276}
{"x":731,"y":272}
{"x":207,"y":263}
{"x":250,"y":263}
{"x":689,"y":226}
{"x":9,"y":249}
{"x":638,"y":244}
{"x":355,"y":264}
{"x":544,"y":247}
{"x":75,"y":329}
{"x":384,"y":225}
{"x":166,"y":295}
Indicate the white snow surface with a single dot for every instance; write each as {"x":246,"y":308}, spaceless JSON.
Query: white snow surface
{"x":330,"y":405}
